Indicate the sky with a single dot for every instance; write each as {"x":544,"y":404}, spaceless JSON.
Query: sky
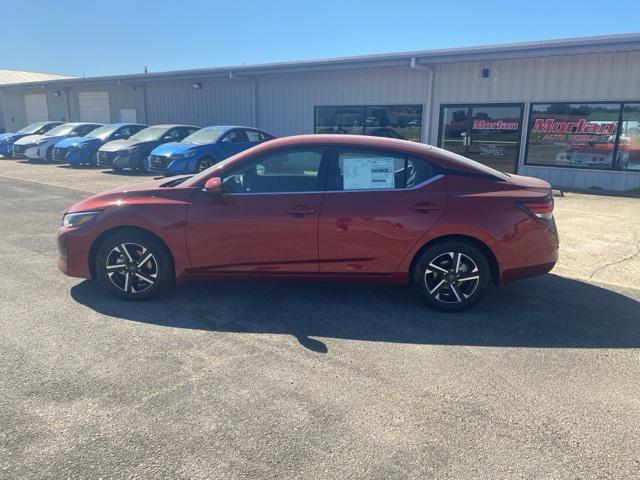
{"x":110,"y":37}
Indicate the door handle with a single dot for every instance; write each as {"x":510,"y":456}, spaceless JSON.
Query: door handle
{"x":300,"y":211}
{"x":425,"y":207}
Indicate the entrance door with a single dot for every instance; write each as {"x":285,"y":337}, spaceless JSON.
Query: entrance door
{"x":487,"y":133}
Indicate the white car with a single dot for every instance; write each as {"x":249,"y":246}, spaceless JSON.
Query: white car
{"x":40,"y":147}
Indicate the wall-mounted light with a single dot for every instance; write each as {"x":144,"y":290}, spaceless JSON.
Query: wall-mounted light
{"x":196,"y":86}
{"x":57,"y":93}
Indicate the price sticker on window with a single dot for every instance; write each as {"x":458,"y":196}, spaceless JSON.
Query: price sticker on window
{"x":361,"y":173}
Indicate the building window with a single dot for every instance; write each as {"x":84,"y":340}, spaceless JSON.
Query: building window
{"x":393,"y":121}
{"x":601,"y":136}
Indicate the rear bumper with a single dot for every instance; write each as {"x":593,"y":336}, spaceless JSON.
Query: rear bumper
{"x":537,"y":253}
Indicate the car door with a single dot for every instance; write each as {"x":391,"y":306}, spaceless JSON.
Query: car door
{"x":377,"y":206}
{"x":266,"y":221}
{"x":234,"y":141}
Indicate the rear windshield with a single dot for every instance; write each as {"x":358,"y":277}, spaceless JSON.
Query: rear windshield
{"x":472,"y":164}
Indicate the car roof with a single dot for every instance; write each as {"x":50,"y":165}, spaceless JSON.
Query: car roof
{"x":228,"y":127}
{"x":82,"y":123}
{"x":442,"y":157}
{"x":171,"y":125}
{"x":125,"y":124}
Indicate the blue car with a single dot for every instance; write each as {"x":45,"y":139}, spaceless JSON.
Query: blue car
{"x":202,"y":149}
{"x":8,"y":139}
{"x":82,"y":150}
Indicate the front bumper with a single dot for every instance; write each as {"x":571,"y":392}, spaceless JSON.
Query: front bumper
{"x":38,"y":152}
{"x":81,"y":155}
{"x":73,"y":252}
{"x":6,"y":149}
{"x":119,"y":161}
{"x":17,"y":151}
{"x":169,"y":166}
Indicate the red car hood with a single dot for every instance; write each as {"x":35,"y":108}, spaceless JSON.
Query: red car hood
{"x":144,"y":192}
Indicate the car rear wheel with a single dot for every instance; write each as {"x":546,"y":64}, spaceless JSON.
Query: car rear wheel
{"x":451,"y":276}
{"x":133,"y":265}
{"x":204,"y":163}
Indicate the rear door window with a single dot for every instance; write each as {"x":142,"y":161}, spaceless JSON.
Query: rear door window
{"x":369,"y":170}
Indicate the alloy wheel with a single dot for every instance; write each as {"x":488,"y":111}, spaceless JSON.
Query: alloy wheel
{"x":451,"y":277}
{"x":132,"y":267}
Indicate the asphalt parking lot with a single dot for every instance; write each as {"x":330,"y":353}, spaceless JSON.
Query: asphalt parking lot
{"x":290,"y":380}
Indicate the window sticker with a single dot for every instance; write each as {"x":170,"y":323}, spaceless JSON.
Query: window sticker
{"x":361,"y":173}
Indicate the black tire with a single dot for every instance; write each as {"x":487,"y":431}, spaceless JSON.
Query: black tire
{"x":204,"y":163}
{"x":147,"y":266}
{"x":451,"y":276}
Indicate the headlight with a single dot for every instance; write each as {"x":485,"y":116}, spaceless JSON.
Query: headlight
{"x":77,"y":219}
{"x":40,"y":142}
{"x":179,"y":156}
{"x":80,"y":146}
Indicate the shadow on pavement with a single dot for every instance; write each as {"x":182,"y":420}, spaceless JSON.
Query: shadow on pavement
{"x":547,"y":312}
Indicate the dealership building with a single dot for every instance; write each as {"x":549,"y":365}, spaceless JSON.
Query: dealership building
{"x":567,"y":111}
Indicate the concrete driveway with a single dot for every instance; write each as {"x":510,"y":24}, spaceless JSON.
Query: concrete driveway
{"x":294,"y":380}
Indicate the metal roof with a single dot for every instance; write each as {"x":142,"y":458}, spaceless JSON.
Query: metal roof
{"x":16,"y":76}
{"x":581,"y":45}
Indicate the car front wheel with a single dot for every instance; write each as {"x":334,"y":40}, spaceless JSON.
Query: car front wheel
{"x":133,"y":265}
{"x":451,"y":276}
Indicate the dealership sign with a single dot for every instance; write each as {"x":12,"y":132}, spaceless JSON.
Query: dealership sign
{"x":574,"y":131}
{"x":495,"y":125}
{"x":550,"y":125}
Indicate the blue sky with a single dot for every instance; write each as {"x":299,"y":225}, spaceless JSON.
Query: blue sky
{"x":112,"y":37}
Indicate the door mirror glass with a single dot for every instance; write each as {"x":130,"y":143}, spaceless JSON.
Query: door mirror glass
{"x":214,"y":185}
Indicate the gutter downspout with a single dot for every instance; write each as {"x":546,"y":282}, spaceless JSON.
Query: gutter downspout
{"x":426,"y":120}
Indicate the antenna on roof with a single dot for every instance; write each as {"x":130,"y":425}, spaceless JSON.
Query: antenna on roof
{"x":145,"y":69}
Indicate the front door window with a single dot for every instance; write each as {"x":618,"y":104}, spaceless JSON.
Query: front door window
{"x":489,"y":134}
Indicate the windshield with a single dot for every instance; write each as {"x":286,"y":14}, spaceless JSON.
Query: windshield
{"x":61,"y":130}
{"x":149,"y":134}
{"x":467,"y":162}
{"x":103,"y":132}
{"x":33,"y":128}
{"x":205,"y":135}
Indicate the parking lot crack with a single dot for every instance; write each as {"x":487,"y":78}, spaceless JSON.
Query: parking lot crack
{"x":618,"y":262}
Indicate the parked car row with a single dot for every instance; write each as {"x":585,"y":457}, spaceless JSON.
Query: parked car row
{"x":166,"y":149}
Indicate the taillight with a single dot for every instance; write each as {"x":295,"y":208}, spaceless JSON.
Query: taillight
{"x":540,"y":209}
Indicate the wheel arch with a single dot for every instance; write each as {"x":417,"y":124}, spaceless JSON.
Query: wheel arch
{"x":93,"y":251}
{"x":482,"y":246}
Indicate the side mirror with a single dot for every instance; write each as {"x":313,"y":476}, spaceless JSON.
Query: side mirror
{"x":226,"y":140}
{"x":214,"y":185}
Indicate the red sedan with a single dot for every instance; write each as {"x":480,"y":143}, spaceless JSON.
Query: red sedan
{"x":331,"y":207}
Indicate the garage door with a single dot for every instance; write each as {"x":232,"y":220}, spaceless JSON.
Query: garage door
{"x":35,"y":106}
{"x":94,"y":107}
